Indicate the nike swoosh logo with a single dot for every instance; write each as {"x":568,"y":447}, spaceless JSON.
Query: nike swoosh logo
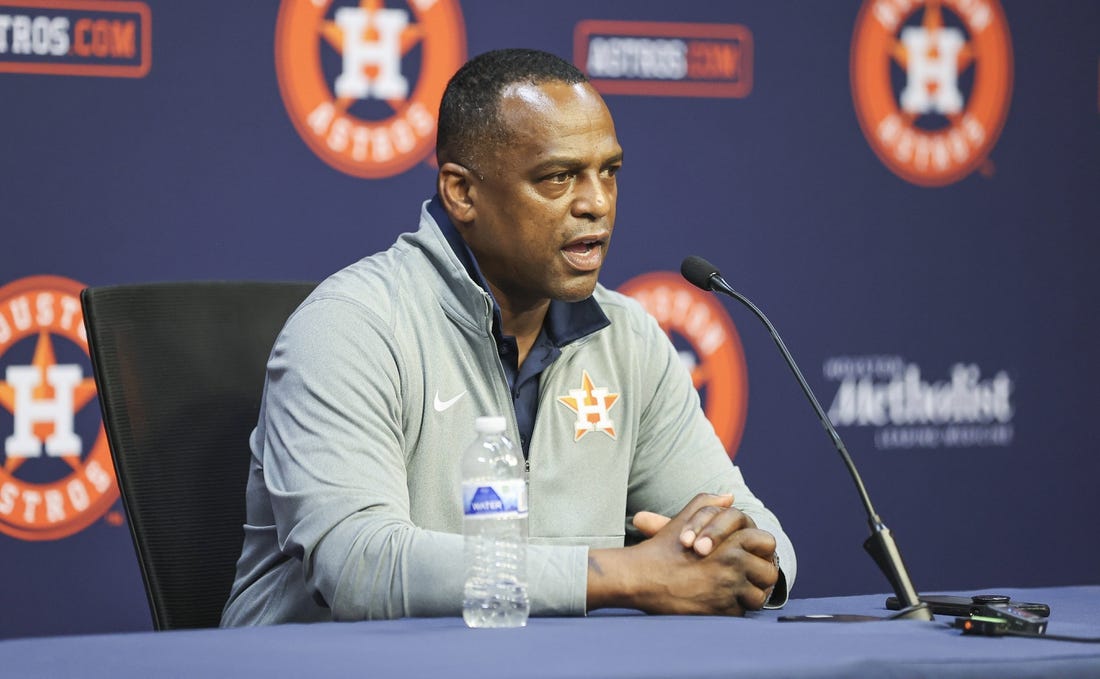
{"x":440,"y":406}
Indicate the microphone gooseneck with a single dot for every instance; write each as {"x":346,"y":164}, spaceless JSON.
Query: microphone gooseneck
{"x":880,"y":545}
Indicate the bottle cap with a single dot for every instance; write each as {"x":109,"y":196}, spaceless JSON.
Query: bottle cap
{"x":490,"y":424}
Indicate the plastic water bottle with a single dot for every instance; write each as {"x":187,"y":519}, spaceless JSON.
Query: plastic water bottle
{"x":494,"y":504}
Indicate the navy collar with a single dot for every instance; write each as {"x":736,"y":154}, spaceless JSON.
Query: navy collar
{"x":565,"y":321}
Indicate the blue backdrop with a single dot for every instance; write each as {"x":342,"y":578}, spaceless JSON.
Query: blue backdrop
{"x":929,"y":262}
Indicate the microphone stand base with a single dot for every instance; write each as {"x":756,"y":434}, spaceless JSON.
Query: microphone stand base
{"x":920,"y":611}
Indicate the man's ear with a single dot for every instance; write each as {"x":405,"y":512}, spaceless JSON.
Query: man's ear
{"x":458,"y":193}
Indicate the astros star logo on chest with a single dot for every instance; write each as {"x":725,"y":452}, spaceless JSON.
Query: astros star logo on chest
{"x":592,"y":405}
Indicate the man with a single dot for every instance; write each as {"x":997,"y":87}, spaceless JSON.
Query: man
{"x":493,"y":307}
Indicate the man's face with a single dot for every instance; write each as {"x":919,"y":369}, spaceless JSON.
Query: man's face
{"x":545,"y":209}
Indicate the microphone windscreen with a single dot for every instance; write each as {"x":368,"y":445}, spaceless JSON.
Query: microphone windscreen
{"x":698,"y":271}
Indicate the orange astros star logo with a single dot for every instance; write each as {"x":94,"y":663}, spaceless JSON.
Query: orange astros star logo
{"x":931,"y":84}
{"x":56,"y":477}
{"x":591,"y":404}
{"x":711,"y":347}
{"x":362,"y":81}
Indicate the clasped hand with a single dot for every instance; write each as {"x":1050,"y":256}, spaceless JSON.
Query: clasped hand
{"x":710,"y":559}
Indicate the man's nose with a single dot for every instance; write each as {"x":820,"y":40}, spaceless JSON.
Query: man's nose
{"x":595,"y":196}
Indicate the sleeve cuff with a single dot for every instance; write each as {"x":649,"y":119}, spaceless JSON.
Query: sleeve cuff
{"x":779,"y":595}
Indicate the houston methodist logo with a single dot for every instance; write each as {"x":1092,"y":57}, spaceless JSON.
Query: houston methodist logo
{"x":713,"y":353}
{"x":893,"y":398}
{"x":931,"y":82}
{"x":57,"y":477}
{"x":362,"y":83}
{"x":665,"y":59}
{"x":76,"y":37}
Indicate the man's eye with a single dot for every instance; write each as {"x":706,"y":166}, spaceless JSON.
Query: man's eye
{"x":560,"y":178}
{"x":612,"y":170}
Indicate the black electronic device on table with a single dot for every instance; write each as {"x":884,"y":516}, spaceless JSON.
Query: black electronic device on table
{"x":999,"y":619}
{"x":942,"y":604}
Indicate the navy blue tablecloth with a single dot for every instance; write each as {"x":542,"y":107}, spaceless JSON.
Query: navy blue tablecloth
{"x":609,"y":645}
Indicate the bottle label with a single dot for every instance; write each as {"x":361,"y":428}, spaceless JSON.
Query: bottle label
{"x":496,"y":500}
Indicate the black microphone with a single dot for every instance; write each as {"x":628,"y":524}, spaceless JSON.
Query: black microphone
{"x":880,"y":545}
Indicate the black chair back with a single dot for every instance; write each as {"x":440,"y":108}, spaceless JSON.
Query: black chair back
{"x":179,"y":369}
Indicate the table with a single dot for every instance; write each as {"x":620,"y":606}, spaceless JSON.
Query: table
{"x":610,"y":645}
